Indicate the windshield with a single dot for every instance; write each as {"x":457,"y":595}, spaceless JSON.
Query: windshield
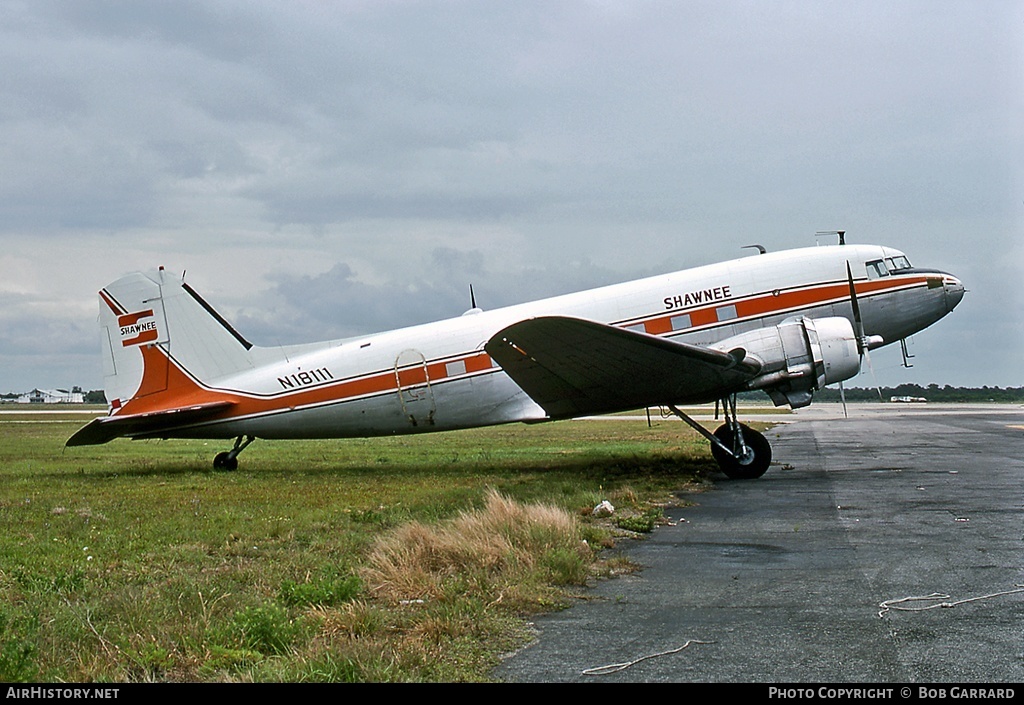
{"x":884,"y":267}
{"x":897,"y":263}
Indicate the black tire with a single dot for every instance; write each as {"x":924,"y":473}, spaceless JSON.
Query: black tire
{"x":755,"y":466}
{"x":224,"y":461}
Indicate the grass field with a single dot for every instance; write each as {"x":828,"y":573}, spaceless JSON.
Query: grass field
{"x":390,"y":559}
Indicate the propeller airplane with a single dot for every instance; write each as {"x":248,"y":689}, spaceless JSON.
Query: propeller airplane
{"x":788,"y":323}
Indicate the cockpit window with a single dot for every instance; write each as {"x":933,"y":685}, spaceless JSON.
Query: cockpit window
{"x":898,"y":263}
{"x":876,"y":269}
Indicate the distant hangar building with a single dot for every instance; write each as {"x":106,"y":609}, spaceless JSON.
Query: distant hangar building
{"x":51,"y":396}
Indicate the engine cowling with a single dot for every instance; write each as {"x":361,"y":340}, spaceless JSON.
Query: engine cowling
{"x":799,"y":356}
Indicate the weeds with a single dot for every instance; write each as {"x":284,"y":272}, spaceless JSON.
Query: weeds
{"x":642,"y":523}
{"x":17,"y":654}
{"x":321,"y":592}
{"x":267,"y":629}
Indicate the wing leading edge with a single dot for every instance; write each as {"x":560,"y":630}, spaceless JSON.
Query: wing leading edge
{"x":572,"y":367}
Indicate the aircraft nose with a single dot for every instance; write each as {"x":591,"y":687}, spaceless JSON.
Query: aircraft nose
{"x":954,"y":290}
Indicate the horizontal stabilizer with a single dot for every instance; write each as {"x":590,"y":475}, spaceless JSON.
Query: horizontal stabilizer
{"x":108,"y":428}
{"x":571,"y":366}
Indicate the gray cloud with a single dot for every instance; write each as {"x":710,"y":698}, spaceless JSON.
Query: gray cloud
{"x":337,"y":304}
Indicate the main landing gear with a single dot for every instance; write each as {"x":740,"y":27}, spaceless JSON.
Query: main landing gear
{"x":228,"y":460}
{"x":741,"y":452}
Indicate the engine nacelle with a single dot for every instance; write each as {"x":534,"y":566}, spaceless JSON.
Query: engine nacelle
{"x":799,"y":356}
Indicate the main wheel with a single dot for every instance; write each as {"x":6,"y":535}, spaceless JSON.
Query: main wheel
{"x":224,"y":461}
{"x":750,"y":466}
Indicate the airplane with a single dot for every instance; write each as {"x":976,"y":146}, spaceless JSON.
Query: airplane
{"x":788,"y":323}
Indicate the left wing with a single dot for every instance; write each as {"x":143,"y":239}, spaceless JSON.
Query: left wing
{"x":572,"y":367}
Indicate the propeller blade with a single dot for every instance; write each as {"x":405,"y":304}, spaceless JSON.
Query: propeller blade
{"x":863,"y":343}
{"x":858,"y":322}
{"x":871,"y":368}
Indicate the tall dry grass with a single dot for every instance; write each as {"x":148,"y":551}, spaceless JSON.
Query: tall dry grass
{"x":503,"y":550}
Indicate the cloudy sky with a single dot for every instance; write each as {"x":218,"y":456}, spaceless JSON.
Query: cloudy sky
{"x":323,"y":169}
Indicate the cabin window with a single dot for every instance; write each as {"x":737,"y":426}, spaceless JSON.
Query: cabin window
{"x":455,"y":368}
{"x":876,"y":269}
{"x":681,"y":322}
{"x":726,"y":313}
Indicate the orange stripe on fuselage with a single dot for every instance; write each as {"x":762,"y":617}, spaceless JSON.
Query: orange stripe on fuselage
{"x":166,"y":386}
{"x":761,"y":305}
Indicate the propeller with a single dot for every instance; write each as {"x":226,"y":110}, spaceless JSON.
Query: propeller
{"x":864,"y":341}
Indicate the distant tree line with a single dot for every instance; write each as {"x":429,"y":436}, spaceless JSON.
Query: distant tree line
{"x":932,"y":392}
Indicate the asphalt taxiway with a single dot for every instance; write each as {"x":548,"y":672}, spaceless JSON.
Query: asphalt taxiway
{"x":811,"y":574}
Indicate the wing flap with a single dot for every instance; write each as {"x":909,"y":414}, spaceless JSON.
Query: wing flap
{"x":572,"y":366}
{"x":108,"y":428}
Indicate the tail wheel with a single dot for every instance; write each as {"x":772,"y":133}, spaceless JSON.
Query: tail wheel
{"x":742,"y":466}
{"x":228,"y":460}
{"x":225,"y":461}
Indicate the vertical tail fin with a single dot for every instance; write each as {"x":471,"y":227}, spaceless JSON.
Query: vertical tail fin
{"x":161,"y":341}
